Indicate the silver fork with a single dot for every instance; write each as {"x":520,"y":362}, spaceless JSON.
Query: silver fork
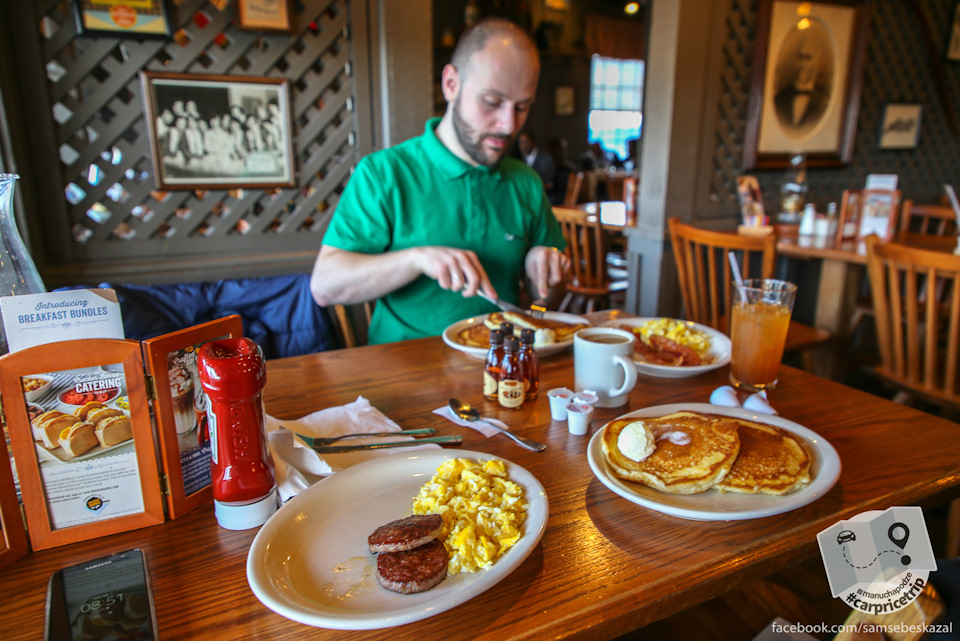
{"x":320,"y":442}
{"x":536,"y":311}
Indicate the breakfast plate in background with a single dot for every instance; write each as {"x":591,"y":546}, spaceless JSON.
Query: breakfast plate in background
{"x":713,"y":505}
{"x":452,"y":332}
{"x":310,"y":561}
{"x":719,"y":350}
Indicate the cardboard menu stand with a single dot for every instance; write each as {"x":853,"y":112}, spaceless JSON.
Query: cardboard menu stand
{"x":88,"y":493}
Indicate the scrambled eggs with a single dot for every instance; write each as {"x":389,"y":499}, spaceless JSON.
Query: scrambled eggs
{"x":677,"y":331}
{"x":483,"y":511}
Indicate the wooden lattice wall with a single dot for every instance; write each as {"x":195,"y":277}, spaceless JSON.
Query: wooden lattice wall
{"x":90,"y":153}
{"x":897,"y":69}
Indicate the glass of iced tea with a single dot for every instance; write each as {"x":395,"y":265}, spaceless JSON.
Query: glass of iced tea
{"x":758,"y":331}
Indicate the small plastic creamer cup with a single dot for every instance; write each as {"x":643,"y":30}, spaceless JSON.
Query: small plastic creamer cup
{"x":578,"y":418}
{"x":586,"y":397}
{"x":559,"y":399}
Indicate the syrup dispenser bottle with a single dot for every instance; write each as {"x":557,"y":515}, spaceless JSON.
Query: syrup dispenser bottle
{"x":529,"y":365}
{"x":491,"y":368}
{"x":510,"y":389}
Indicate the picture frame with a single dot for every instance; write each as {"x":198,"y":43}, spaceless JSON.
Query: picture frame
{"x":564,"y":100}
{"x":868,"y":211}
{"x":807,"y":76}
{"x":181,"y":414}
{"x":264,"y":15}
{"x":900,"y":128}
{"x":141,"y":19}
{"x":953,"y":38}
{"x":13,"y":538}
{"x":219,"y":132}
{"x":73,"y":491}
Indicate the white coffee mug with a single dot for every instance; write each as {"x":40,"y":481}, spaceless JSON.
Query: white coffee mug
{"x":603,"y":363}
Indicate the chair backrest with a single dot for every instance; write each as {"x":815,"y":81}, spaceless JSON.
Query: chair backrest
{"x":927,"y":219}
{"x":918,"y":334}
{"x":704,"y":269}
{"x":572,"y":197}
{"x":586,"y":248}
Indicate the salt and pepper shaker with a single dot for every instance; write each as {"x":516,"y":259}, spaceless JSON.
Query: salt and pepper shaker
{"x":233,"y":373}
{"x":808,"y":224}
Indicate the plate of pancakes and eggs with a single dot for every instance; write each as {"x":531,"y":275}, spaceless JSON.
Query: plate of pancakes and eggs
{"x":672,"y":348}
{"x":396,"y":539}
{"x":710,"y":463}
{"x":552,"y":333}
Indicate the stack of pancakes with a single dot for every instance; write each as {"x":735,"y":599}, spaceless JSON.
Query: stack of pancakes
{"x":546,"y":331}
{"x":695,"y":452}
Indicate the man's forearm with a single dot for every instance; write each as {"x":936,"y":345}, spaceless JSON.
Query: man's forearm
{"x":342,"y":277}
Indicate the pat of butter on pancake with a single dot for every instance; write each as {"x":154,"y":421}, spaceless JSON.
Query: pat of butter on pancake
{"x":636,"y":441}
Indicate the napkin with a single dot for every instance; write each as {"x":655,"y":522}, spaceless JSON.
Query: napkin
{"x":297,"y":466}
{"x":480,"y":425}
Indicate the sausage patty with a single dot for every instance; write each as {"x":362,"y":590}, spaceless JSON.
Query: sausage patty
{"x":405,"y":534}
{"x":415,"y":570}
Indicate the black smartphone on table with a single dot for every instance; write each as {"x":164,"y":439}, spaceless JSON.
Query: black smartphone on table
{"x":105,"y":599}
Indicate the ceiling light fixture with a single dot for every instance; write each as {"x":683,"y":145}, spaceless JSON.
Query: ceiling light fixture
{"x":631,"y":8}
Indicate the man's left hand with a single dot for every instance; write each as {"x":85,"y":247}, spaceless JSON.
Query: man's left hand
{"x":546,"y":267}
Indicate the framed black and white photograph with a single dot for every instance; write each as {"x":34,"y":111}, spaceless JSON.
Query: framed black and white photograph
{"x":901,"y":126}
{"x":218,"y":132}
{"x":264,"y":15}
{"x":141,"y":19}
{"x":805,"y":89}
{"x":953,"y":41}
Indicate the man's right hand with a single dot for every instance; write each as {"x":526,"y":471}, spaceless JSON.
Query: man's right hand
{"x":457,"y":270}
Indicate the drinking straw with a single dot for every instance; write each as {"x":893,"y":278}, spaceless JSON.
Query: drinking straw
{"x":736,"y":276}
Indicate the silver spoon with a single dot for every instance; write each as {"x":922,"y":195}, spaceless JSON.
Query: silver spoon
{"x":467,"y":413}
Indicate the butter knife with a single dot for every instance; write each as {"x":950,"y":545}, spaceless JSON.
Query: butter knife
{"x":502,"y":304}
{"x":443,"y":440}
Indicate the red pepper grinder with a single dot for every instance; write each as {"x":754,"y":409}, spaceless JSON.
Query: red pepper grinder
{"x":233,"y":374}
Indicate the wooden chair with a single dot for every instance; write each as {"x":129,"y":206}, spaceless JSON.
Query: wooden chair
{"x":353,"y":322}
{"x":589,"y":283}
{"x":706,"y":279}
{"x":574,"y":182}
{"x":927,"y":219}
{"x":919,"y":333}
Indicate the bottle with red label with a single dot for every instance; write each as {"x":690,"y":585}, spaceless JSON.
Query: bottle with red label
{"x":510,"y":392}
{"x":233,"y":374}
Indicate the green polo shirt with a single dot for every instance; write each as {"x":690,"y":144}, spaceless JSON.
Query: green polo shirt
{"x":418,"y":193}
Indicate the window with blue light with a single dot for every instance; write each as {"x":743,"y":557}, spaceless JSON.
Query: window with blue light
{"x":616,"y":103}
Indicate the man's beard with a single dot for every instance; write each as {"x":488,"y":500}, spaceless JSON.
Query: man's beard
{"x":472,"y":142}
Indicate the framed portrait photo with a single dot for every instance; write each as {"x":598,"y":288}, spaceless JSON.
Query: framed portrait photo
{"x":264,"y":15}
{"x":805,"y":89}
{"x":141,"y":19}
{"x":564,"y":101}
{"x":901,"y":126}
{"x":218,"y":132}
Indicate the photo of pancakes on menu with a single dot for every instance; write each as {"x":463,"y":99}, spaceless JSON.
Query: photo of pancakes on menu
{"x":692,"y":452}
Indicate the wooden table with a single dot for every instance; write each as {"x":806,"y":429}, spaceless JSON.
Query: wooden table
{"x":605,"y":566}
{"x":842,"y":270}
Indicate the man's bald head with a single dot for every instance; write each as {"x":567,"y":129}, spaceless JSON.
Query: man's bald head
{"x":478,"y":36}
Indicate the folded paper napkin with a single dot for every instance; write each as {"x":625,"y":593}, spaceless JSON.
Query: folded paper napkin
{"x":298,"y":467}
{"x":480,"y":425}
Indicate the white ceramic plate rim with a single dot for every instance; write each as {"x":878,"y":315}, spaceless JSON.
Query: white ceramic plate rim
{"x":720,"y":346}
{"x":450,"y":334}
{"x":340,"y":502}
{"x":713,"y":505}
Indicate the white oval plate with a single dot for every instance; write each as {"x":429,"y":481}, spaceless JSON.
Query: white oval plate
{"x":452,"y":331}
{"x":719,"y":348}
{"x":310,"y":562}
{"x":714,"y":505}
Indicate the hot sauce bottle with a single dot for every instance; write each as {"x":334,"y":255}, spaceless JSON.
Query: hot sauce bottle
{"x":529,"y":364}
{"x":491,"y":368}
{"x":510,"y":389}
{"x":233,"y":374}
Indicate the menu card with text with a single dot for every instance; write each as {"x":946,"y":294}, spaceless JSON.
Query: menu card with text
{"x":36,"y":319}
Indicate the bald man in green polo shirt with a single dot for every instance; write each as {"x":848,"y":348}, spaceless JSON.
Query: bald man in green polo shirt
{"x":425,"y":225}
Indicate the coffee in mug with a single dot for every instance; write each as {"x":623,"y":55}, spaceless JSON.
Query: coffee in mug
{"x":603,"y":363}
